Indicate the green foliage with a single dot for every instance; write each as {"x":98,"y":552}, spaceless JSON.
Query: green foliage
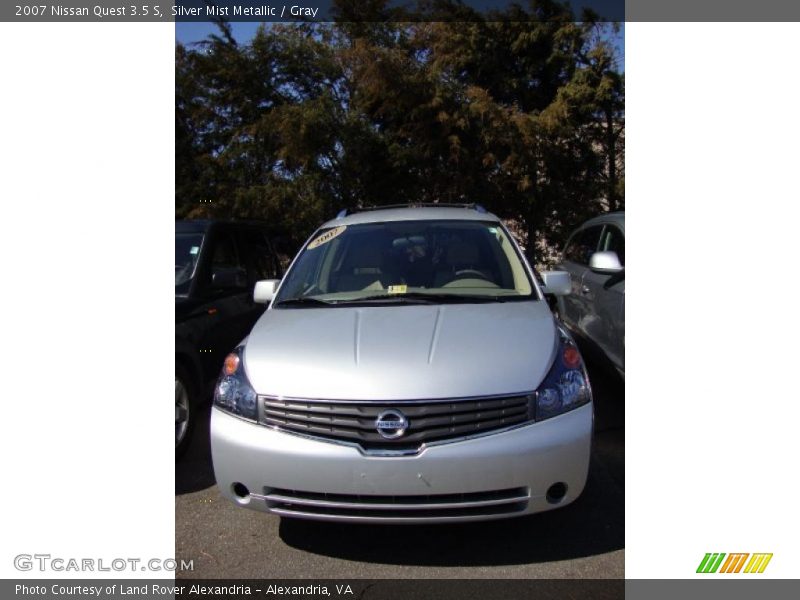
{"x":523,"y":113}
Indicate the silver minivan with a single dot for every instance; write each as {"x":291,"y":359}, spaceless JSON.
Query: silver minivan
{"x":594,"y":256}
{"x":408,"y":369}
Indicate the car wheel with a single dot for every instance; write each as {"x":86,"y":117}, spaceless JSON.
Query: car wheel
{"x":184,"y":411}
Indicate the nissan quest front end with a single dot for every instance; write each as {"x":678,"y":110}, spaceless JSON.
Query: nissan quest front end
{"x":407,"y":370}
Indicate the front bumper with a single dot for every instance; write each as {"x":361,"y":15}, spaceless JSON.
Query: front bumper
{"x":499,"y":475}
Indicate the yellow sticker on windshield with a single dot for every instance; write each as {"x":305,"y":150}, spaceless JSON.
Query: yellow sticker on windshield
{"x":398,"y":289}
{"x":327,"y":237}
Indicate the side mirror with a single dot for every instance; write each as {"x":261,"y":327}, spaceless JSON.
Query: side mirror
{"x":557,"y":283}
{"x":229,"y":278}
{"x":605,"y":262}
{"x":265,"y":290}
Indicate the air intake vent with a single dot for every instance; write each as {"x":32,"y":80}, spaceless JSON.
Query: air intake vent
{"x":396,"y":508}
{"x":363,"y":423}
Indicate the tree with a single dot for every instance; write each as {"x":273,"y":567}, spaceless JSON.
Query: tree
{"x":522,"y":112}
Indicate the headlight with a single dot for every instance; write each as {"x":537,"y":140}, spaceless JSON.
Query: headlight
{"x":233,"y":393}
{"x":566,"y":386}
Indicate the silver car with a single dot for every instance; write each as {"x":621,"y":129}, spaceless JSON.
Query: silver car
{"x":408,"y":369}
{"x":594,"y":256}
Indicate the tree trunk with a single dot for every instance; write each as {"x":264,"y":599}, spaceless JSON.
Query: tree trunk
{"x":531,"y":222}
{"x":611,"y":150}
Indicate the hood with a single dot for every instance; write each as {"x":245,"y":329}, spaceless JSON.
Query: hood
{"x":401,"y":352}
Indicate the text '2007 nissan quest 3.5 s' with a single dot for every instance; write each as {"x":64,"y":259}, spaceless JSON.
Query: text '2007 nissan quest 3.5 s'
{"x":408,"y":369}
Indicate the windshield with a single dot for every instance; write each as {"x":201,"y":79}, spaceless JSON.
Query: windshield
{"x":187,"y":251}
{"x":442,"y":261}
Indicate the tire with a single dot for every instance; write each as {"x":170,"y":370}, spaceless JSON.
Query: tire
{"x":185,"y":410}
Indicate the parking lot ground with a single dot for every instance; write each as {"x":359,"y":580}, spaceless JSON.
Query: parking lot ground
{"x":583,"y":540}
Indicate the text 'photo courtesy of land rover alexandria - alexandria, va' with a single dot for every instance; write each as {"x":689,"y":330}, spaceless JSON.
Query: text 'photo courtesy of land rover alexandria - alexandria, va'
{"x":408,"y":369}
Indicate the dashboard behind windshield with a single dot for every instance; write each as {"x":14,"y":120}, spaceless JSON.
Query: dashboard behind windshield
{"x":371,"y":260}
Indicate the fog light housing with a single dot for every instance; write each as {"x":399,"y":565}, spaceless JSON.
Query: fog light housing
{"x":556,"y":492}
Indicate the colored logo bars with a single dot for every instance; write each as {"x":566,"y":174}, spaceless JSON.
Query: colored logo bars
{"x":733,"y":563}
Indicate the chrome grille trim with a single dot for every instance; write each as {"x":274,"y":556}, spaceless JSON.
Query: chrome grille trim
{"x":400,"y":508}
{"x":434,"y":421}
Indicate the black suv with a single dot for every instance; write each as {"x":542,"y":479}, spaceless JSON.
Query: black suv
{"x":216,"y":266}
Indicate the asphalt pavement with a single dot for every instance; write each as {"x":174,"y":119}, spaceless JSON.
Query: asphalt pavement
{"x":583,"y":540}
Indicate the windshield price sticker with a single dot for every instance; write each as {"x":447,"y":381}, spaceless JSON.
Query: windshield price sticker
{"x":398,"y":289}
{"x":327,"y":237}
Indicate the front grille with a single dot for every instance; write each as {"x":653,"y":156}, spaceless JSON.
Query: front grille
{"x":428,"y":421}
{"x":396,"y":508}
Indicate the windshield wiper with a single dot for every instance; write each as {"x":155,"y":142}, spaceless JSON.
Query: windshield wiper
{"x":304,"y":301}
{"x":423,"y":298}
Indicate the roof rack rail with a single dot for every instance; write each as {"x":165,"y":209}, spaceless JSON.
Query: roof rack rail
{"x":470,"y":205}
